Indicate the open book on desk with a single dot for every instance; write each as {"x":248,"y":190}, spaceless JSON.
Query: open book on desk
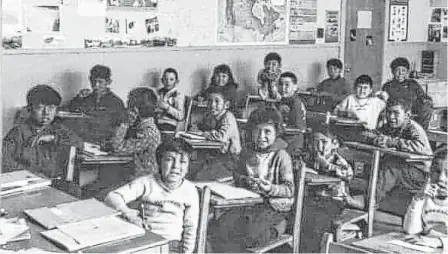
{"x":227,"y":191}
{"x":92,"y":232}
{"x":93,"y":150}
{"x":19,"y":181}
{"x":70,"y":212}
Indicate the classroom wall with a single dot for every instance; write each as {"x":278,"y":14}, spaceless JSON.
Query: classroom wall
{"x":418,"y":19}
{"x":67,"y":70}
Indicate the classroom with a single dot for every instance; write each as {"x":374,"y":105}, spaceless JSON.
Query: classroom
{"x":224,"y":126}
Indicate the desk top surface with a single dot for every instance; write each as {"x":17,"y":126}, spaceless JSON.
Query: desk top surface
{"x":51,"y":197}
{"x":382,"y":244}
{"x":406,"y":155}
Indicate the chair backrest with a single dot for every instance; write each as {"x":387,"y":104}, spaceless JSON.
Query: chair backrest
{"x":299,"y":199}
{"x":181,"y":126}
{"x":204,"y":208}
{"x":194,"y":115}
{"x":329,"y":246}
{"x":252,"y":102}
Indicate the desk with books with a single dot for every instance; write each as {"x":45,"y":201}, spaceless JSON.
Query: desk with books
{"x":377,"y":151}
{"x":50,"y":197}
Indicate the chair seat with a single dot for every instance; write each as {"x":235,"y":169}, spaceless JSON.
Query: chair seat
{"x":272,"y":244}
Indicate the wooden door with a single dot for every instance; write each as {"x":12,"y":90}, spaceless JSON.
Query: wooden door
{"x":364,"y":40}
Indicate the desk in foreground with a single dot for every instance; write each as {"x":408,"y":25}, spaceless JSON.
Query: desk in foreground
{"x":406,"y":155}
{"x":106,"y":159}
{"x":51,"y":197}
{"x":437,"y":136}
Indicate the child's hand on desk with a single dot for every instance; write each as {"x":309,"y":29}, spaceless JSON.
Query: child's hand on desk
{"x":432,"y":242}
{"x":134,"y":217}
{"x":207,"y":135}
{"x":264,"y":185}
{"x":163,"y":105}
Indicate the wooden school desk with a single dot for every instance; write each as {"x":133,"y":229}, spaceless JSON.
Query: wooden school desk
{"x":382,"y":244}
{"x":437,"y":136}
{"x":377,"y":151}
{"x":51,"y":197}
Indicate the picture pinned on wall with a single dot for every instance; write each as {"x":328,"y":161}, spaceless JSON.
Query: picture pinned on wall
{"x":331,"y":26}
{"x":445,"y":16}
{"x":436,"y":16}
{"x":42,"y":18}
{"x":152,"y":25}
{"x":12,"y":24}
{"x":352,"y":34}
{"x":135,"y":28}
{"x":127,"y":4}
{"x":369,"y":41}
{"x":398,"y":20}
{"x":112,"y":25}
{"x":434,"y":32}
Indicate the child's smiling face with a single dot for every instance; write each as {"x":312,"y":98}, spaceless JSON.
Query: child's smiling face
{"x":286,"y":87}
{"x":99,"y":85}
{"x":323,"y":145}
{"x":217,"y":104}
{"x":174,"y":167}
{"x":44,"y":114}
{"x":170,"y":80}
{"x":441,"y":176}
{"x":363,"y":90}
{"x":272,"y":65}
{"x":221,"y":79}
{"x":334,"y":72}
{"x":396,"y":116}
{"x":264,"y":135}
{"x":400,"y":73}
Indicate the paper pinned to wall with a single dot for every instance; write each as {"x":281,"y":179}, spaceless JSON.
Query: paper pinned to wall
{"x":92,"y":8}
{"x":364,"y":19}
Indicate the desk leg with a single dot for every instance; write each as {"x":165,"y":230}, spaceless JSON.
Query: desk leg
{"x":372,"y":191}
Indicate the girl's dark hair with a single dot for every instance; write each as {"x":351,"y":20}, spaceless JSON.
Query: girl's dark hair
{"x":223,"y":68}
{"x":169,"y":70}
{"x":100,"y":71}
{"x":43,"y":94}
{"x":176,"y":145}
{"x":144,"y":99}
{"x":334,"y":62}
{"x":266,"y":115}
{"x":399,"y":102}
{"x":273,"y":56}
{"x":364,"y":79}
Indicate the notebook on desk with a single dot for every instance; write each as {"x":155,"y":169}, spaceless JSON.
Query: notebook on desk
{"x":227,"y":191}
{"x":70,"y":212}
{"x":19,"y":181}
{"x":92,"y":232}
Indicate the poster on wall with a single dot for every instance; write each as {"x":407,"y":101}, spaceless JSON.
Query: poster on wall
{"x":331,"y":26}
{"x":437,"y":27}
{"x":251,"y":22}
{"x":302,"y":21}
{"x":134,"y":5}
{"x":398,"y":20}
{"x":434,"y":32}
{"x":12,"y":24}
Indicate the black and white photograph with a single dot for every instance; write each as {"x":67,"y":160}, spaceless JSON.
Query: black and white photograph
{"x":224,"y":126}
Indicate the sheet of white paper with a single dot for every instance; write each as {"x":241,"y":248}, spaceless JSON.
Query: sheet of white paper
{"x":364,"y":19}
{"x":412,"y":246}
{"x":92,"y":8}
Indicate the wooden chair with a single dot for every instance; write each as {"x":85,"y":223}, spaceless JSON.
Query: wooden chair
{"x":329,"y":246}
{"x":294,"y":238}
{"x":182,"y":125}
{"x":204,"y":209}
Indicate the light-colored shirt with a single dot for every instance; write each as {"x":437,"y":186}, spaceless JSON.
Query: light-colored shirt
{"x":172,"y":214}
{"x":367,"y":110}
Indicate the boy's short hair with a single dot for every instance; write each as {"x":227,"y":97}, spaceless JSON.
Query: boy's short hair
{"x":101,"y":71}
{"x":290,"y":75}
{"x":399,"y":61}
{"x":148,"y":109}
{"x":223,"y":91}
{"x":334,"y":62}
{"x":43,"y":94}
{"x":176,"y":145}
{"x":170,"y":70}
{"x":399,"y":102}
{"x":266,"y":115}
{"x":364,"y":79}
{"x":273,"y":56}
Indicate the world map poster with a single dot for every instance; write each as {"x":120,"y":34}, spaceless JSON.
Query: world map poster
{"x":252,"y":22}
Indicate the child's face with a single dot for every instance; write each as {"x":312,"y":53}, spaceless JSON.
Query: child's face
{"x":333,"y":71}
{"x":99,"y":85}
{"x":272,"y":65}
{"x":286,"y":87}
{"x":323,"y":145}
{"x":217,"y":104}
{"x":441,"y":166}
{"x":221,"y":79}
{"x":400,"y":73}
{"x":264,"y":135}
{"x":396,"y":116}
{"x":170,"y":80}
{"x":363,"y":90}
{"x":44,"y":114}
{"x":174,"y":167}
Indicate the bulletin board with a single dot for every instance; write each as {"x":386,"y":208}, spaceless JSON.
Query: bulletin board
{"x":47,"y":24}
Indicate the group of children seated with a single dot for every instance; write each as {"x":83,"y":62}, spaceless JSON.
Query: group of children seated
{"x":265,"y":161}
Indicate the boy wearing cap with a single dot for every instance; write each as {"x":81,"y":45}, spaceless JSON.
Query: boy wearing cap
{"x":401,"y":87}
{"x":40,"y":143}
{"x":101,"y":100}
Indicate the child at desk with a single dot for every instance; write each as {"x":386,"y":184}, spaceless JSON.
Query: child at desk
{"x":293,"y":111}
{"x":363,"y":105}
{"x":219,"y":124}
{"x":403,"y":134}
{"x":335,"y":86}
{"x":268,"y":77}
{"x":409,"y":90}
{"x":427,"y":216}
{"x":170,"y":104}
{"x":169,"y":203}
{"x":101,"y":101}
{"x":41,"y":143}
{"x":264,"y":167}
{"x":138,"y":134}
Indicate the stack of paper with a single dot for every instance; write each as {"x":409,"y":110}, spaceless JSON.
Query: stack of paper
{"x":227,"y":191}
{"x":13,"y":229}
{"x":93,"y":150}
{"x":88,"y":233}
{"x":70,"y":212}
{"x":192,"y":136}
{"x":19,"y":181}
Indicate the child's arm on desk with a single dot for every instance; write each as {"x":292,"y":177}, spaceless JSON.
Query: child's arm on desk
{"x":222,"y":132}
